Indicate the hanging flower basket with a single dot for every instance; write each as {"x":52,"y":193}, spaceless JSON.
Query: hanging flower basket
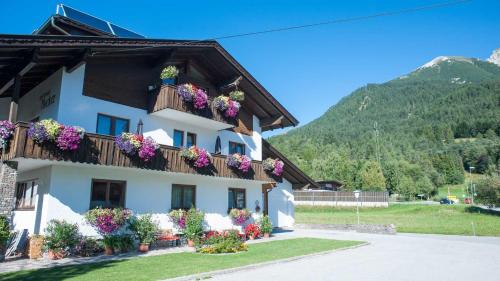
{"x":66,"y":138}
{"x":240,"y":162}
{"x":230,"y":104}
{"x":134,"y":144}
{"x":6,"y":132}
{"x":275,"y":166}
{"x":199,"y":157}
{"x":238,"y":216}
{"x":192,"y":94}
{"x":168,"y":75}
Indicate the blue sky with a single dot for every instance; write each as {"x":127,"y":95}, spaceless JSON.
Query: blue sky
{"x":307,"y":70}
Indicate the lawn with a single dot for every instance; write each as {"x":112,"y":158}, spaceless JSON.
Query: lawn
{"x":437,"y":219}
{"x":174,"y":265}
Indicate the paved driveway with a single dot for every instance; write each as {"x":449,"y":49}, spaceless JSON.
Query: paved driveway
{"x":389,"y":257}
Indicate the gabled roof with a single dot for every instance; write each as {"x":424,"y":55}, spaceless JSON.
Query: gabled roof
{"x":45,"y":54}
{"x":291,"y":172}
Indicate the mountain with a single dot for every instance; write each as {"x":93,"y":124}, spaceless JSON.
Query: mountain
{"x":418,"y":131}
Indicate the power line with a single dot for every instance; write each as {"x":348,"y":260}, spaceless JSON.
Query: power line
{"x":330,"y":22}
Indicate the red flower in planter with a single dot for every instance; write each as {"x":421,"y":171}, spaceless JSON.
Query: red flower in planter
{"x":252,"y":230}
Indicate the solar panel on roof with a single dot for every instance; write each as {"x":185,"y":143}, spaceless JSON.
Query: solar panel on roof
{"x":96,"y":23}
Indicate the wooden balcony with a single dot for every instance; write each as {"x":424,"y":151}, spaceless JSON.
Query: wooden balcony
{"x":166,"y":98}
{"x":101,"y":150}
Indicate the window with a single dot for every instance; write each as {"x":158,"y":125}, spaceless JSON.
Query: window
{"x":110,"y":125}
{"x":26,"y":195}
{"x":183,"y":196}
{"x":107,"y":194}
{"x":235,"y":147}
{"x":178,"y":138}
{"x":190,"y":139}
{"x":236,"y":198}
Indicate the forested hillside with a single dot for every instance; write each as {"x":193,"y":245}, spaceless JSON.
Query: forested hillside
{"x":409,"y":135}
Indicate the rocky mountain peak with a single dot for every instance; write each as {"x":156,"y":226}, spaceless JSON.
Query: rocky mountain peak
{"x":495,"y":57}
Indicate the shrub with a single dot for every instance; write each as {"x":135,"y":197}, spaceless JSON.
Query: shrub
{"x":252,"y":230}
{"x":4,"y":231}
{"x":227,"y":241}
{"x":194,"y":224}
{"x":88,"y":247}
{"x":488,"y":191}
{"x":123,"y":243}
{"x":266,"y":226}
{"x":144,"y":228}
{"x":61,"y":236}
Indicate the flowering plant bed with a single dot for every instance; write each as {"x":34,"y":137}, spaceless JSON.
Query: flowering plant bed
{"x":66,"y":138}
{"x":275,"y":166}
{"x":199,"y":157}
{"x":252,"y":231}
{"x":230,"y":105}
{"x":192,"y":94}
{"x":239,"y":216}
{"x":240,"y":162}
{"x":132,"y":144}
{"x":227,"y":241}
{"x":178,"y":217}
{"x":6,"y":131}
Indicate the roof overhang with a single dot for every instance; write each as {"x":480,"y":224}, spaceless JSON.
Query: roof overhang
{"x":54,"y":52}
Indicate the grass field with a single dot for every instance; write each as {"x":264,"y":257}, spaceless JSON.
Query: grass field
{"x":437,"y":219}
{"x":458,"y":190}
{"x":173,"y":265}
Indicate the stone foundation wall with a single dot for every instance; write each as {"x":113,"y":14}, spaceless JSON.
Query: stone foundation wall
{"x":8,"y":178}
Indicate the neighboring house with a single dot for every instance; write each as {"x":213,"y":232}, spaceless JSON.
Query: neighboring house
{"x":330,"y":185}
{"x":84,"y":76}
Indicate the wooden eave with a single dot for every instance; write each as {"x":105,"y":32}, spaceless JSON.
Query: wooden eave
{"x":291,"y":172}
{"x":57,"y":51}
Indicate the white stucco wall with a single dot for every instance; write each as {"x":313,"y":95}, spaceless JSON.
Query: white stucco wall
{"x":281,"y":210}
{"x":31,"y":219}
{"x":146,"y":192}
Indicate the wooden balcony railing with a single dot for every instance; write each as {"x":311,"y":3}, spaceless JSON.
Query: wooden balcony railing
{"x":167,"y":97}
{"x":101,"y":150}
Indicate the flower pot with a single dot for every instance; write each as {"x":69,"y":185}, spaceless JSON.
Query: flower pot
{"x":108,"y":251}
{"x":190,"y":243}
{"x":144,"y":247}
{"x":267,"y":235}
{"x":56,"y":254}
{"x":168,"y":81}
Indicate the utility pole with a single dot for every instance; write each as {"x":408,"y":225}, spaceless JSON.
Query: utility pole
{"x":377,"y":152}
{"x":471,"y":187}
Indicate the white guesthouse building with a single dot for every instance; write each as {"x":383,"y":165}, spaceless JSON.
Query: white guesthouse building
{"x":82,"y":76}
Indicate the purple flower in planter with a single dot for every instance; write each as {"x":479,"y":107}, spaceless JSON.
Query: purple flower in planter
{"x":203,"y":159}
{"x":148,"y":149}
{"x":232,"y":109}
{"x":69,"y":138}
{"x":6,"y":131}
{"x":278,"y":167}
{"x":38,"y":133}
{"x":125,"y":145}
{"x":234,"y":160}
{"x":245,"y":164}
{"x":200,"y":99}
{"x":185,"y":91}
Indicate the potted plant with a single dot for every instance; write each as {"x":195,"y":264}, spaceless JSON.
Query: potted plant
{"x":194,"y":226}
{"x":191,"y":94}
{"x":266,"y":226}
{"x":4,"y":236}
{"x":66,"y":138}
{"x":6,"y":132}
{"x":197,"y":157}
{"x":240,"y":162}
{"x":252,"y":231}
{"x":107,"y":222}
{"x":61,"y":238}
{"x":145,"y":230}
{"x":168,"y":75}
{"x":239,"y":216}
{"x":275,"y":166}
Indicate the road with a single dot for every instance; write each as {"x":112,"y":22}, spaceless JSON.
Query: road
{"x":399,"y":257}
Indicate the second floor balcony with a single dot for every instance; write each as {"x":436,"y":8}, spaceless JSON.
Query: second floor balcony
{"x":166,"y":103}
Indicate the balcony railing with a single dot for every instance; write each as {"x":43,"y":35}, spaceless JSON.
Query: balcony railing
{"x":167,"y":97}
{"x":101,"y":150}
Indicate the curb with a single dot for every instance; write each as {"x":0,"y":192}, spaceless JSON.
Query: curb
{"x":210,"y":274}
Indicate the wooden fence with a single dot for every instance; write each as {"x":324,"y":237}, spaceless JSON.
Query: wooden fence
{"x":341,"y":198}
